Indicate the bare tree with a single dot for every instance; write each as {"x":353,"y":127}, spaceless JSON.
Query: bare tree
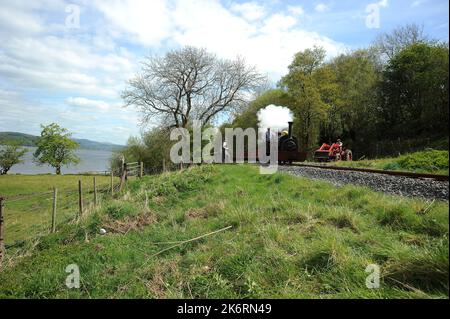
{"x":389,"y":44}
{"x":190,"y":84}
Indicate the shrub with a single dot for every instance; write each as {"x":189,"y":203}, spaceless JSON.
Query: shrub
{"x":429,"y":160}
{"x":118,"y":210}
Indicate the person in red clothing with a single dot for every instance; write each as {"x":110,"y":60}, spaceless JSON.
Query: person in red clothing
{"x":336,"y":148}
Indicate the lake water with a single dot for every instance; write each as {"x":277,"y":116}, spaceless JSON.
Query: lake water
{"x":91,"y":161}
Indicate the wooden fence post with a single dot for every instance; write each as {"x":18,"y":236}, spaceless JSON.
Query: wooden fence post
{"x":141,"y":169}
{"x":112,"y":182}
{"x":122,"y":167}
{"x":124,"y":176}
{"x":2,"y":244}
{"x":80,"y":199}
{"x":55,"y":197}
{"x":95,"y":191}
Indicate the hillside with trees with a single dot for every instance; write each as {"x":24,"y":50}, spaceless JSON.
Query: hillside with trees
{"x":32,"y":140}
{"x":388,"y":99}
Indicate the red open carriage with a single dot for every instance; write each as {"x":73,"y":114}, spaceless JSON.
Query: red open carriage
{"x":333,"y":152}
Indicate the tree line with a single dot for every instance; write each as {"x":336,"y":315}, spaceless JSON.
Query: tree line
{"x":393,"y":93}
{"x":179,"y":87}
{"x":390,"y":97}
{"x":54,"y":148}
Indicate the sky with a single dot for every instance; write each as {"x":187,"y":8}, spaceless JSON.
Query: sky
{"x":68,"y":61}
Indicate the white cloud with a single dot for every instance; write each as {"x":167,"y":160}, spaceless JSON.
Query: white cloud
{"x":21,"y":114}
{"x":14,"y":19}
{"x":321,"y":7}
{"x":247,"y":29}
{"x":84,"y":102}
{"x":278,"y":23}
{"x":383,"y":3}
{"x":148,"y":21}
{"x":296,"y":10}
{"x":268,"y":40}
{"x":87,"y":68}
{"x":41,"y":58}
{"x":417,"y":3}
{"x":249,"y":10}
{"x":66,"y":64}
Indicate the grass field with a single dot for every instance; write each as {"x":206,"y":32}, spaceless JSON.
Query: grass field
{"x":290,"y":238}
{"x":28,"y":213}
{"x":429,"y":161}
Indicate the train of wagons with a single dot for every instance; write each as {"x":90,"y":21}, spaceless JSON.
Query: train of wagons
{"x":289,"y":150}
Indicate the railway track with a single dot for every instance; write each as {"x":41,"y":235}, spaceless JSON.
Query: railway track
{"x":436,"y":177}
{"x":428,"y":186}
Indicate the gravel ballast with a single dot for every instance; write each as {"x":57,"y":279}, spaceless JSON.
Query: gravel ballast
{"x":395,"y":185}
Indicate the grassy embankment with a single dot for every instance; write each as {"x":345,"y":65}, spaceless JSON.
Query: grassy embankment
{"x":290,"y":237}
{"x":429,"y":161}
{"x":28,"y":213}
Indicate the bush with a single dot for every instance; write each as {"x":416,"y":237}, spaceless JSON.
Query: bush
{"x":172,"y":184}
{"x":429,"y":160}
{"x":118,"y":210}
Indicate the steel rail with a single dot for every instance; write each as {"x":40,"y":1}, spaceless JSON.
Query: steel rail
{"x":437,"y":177}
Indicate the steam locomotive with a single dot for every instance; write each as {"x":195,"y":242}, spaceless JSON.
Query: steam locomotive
{"x":288,"y":150}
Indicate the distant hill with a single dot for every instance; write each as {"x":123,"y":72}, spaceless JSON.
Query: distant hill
{"x":30,"y":140}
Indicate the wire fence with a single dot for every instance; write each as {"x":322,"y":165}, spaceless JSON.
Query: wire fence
{"x":25,"y":216}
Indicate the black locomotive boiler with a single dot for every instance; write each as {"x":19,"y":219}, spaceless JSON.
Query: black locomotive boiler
{"x":288,"y":148}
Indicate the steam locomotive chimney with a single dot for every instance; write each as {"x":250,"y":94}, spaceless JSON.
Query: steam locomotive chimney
{"x":290,"y":129}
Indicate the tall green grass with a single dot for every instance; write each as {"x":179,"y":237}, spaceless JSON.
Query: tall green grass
{"x":290,"y":238}
{"x":428,"y":161}
{"x":29,"y":200}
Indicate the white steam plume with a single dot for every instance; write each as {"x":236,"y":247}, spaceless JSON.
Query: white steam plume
{"x":274,"y":116}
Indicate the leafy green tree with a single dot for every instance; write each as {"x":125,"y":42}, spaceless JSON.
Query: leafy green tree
{"x":312,"y":90}
{"x":10,"y":155}
{"x":248,"y":118}
{"x":391,"y":97}
{"x":353,"y":115}
{"x":151,"y":148}
{"x":415,"y":91}
{"x":389,"y":44}
{"x":55,"y":147}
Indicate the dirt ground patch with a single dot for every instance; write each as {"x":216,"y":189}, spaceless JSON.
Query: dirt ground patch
{"x":159,"y":199}
{"x":196,"y":213}
{"x":131,"y":223}
{"x":212,"y":209}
